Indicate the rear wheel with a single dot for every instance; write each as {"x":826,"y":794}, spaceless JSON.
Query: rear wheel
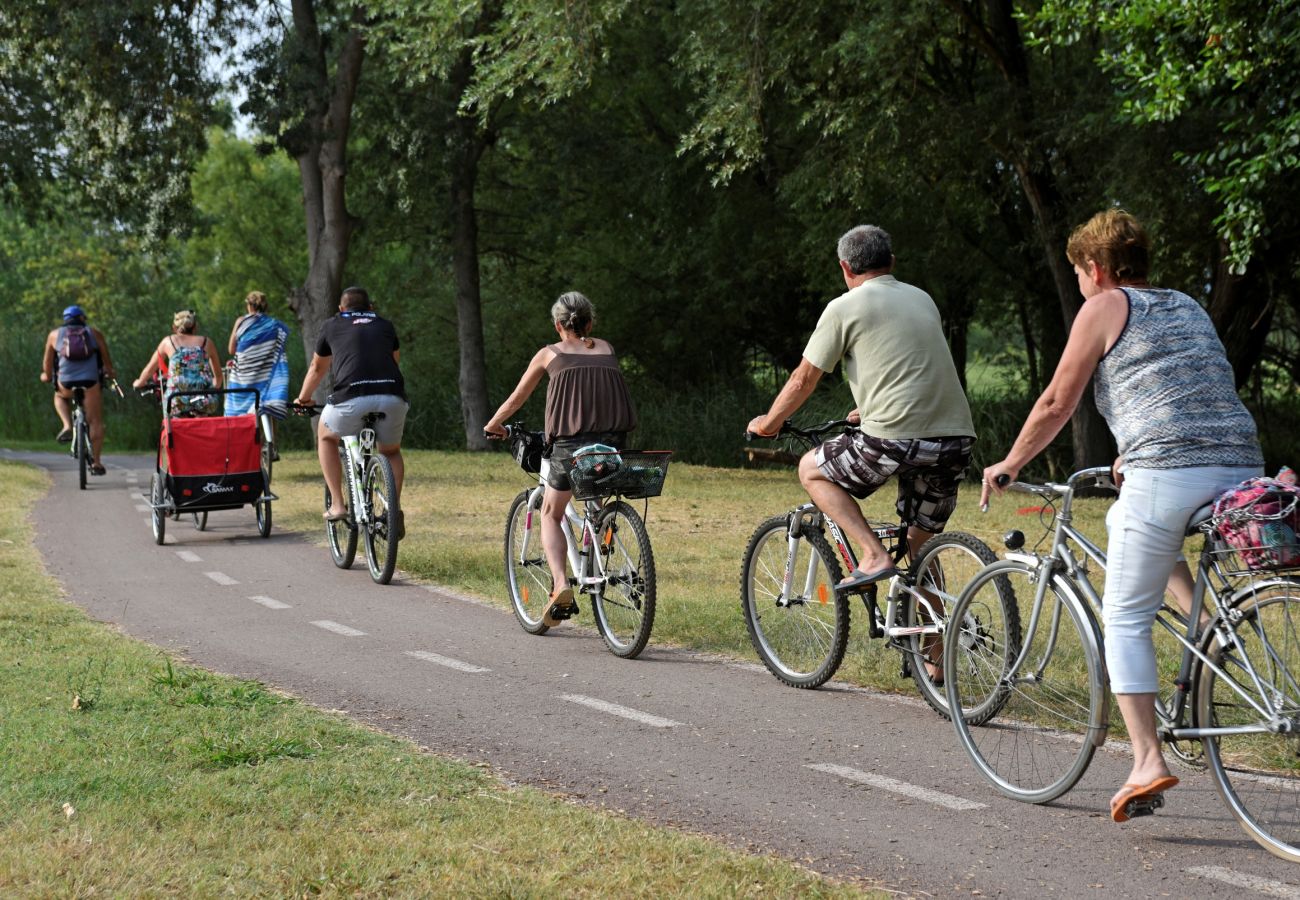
{"x":81,"y":449}
{"x":528,"y":578}
{"x":342,"y":534}
{"x":1053,"y":709}
{"x":625,"y":604}
{"x":800,"y":636}
{"x":1257,"y":775}
{"x":379,"y":493}
{"x":944,"y":565}
{"x":156,"y":498}
{"x":264,"y":507}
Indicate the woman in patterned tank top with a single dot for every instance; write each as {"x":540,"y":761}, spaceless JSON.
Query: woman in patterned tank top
{"x":1166,"y":389}
{"x":587,"y":402}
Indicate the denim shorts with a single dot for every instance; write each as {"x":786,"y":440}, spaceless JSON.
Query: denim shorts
{"x":557,"y":474}
{"x":345,"y":418}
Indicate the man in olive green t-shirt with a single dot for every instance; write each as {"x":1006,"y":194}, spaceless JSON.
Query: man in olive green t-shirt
{"x":914,"y":419}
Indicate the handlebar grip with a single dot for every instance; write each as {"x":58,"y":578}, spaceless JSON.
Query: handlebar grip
{"x":1002,"y":480}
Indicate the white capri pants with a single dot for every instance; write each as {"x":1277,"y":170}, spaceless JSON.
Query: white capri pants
{"x":1147,"y":526}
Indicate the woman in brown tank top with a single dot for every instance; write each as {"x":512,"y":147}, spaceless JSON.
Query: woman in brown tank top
{"x":587,"y":402}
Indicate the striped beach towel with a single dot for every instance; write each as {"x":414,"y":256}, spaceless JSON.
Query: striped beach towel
{"x":261,"y":364}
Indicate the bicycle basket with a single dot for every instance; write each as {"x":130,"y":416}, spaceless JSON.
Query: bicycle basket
{"x":526,"y":448}
{"x":600,"y":471}
{"x":1258,"y":520}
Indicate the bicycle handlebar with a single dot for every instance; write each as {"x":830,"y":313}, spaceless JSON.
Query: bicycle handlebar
{"x":812,"y":435}
{"x":305,"y":409}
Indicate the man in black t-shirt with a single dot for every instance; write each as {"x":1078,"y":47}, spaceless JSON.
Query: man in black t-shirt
{"x":360,"y":351}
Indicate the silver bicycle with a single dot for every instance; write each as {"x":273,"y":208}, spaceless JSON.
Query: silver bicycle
{"x":606,"y":544}
{"x":1233,"y":705}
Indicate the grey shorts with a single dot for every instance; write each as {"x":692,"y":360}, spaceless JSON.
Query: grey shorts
{"x":345,"y":418}
{"x":562,"y":451}
{"x":928,"y":471}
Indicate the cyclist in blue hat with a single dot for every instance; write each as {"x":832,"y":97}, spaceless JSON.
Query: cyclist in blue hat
{"x":76,"y":356}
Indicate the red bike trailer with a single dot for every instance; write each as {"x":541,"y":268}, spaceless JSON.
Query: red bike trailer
{"x":210,"y":463}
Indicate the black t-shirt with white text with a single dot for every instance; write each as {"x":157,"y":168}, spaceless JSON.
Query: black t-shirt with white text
{"x":361,"y":345}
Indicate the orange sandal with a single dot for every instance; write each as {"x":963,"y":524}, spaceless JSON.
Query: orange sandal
{"x":1141,"y":799}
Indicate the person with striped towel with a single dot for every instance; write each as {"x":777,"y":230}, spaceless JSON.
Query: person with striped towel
{"x":258,"y":360}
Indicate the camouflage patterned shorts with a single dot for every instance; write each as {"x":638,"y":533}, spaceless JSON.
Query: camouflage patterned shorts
{"x":928,"y":471}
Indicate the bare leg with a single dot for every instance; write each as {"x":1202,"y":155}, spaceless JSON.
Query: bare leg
{"x":327,"y":451}
{"x":839,"y":504}
{"x":1139,"y":712}
{"x":394,"y":454}
{"x":63,"y":407}
{"x":554,"y":503}
{"x":94,"y":406}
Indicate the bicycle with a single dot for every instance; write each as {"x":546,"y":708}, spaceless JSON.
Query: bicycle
{"x":607,"y":545}
{"x":799,"y":622}
{"x":370,"y":496}
{"x":80,"y":447}
{"x":1236,"y":690}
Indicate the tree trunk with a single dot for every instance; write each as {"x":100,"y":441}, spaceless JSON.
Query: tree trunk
{"x":470,"y":140}
{"x":1241,"y":308}
{"x":319,"y":146}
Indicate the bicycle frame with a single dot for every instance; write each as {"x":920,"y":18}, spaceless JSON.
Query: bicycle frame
{"x":809,"y":514}
{"x":359,"y":449}
{"x":1060,"y":566}
{"x":580,"y":561}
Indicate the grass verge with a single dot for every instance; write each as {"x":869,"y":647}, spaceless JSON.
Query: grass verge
{"x":123,"y":773}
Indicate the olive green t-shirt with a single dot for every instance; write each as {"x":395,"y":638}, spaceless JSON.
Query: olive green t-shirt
{"x":889,"y":336}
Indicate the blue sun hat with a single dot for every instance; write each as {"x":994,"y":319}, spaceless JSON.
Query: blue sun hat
{"x":73,"y":312}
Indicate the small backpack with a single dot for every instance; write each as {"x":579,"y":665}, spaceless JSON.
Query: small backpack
{"x":1260,"y":518}
{"x":76,"y":343}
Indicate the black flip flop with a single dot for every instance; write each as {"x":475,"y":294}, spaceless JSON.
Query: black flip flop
{"x":861,"y":579}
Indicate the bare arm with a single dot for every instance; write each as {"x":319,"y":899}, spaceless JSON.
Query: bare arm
{"x":215,"y":361}
{"x":151,"y":367}
{"x":105,"y":358}
{"x":316,"y":371}
{"x":519,"y":396}
{"x":1093,"y":333}
{"x":48,"y":358}
{"x":234,"y":330}
{"x":798,"y":388}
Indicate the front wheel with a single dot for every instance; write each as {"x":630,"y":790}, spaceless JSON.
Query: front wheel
{"x":156,"y":498}
{"x":528,"y":578}
{"x":264,"y":507}
{"x":383,"y":518}
{"x":1257,"y":774}
{"x":944,"y":565}
{"x":625,"y":602}
{"x":201,"y":520}
{"x":1053,"y":708}
{"x":799,"y":633}
{"x":81,"y":449}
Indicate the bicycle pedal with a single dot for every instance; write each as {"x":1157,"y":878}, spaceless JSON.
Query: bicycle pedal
{"x":1144,"y":806}
{"x":560,"y":613}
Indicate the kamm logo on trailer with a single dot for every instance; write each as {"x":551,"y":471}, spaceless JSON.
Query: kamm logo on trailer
{"x":214,"y":488}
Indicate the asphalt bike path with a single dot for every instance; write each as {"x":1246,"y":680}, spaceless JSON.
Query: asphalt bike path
{"x":847,"y":781}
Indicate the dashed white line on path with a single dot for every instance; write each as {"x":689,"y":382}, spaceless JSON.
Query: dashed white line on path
{"x":1251,"y":882}
{"x":338,"y":629}
{"x":190,"y":556}
{"x":447,"y":661}
{"x":615,"y":710}
{"x":269,"y":603}
{"x":143,"y":507}
{"x":221,"y":578}
{"x":885,"y":783}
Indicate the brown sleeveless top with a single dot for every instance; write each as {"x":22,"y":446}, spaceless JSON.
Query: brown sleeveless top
{"x":586,"y":393}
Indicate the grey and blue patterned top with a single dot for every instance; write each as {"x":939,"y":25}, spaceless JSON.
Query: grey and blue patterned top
{"x":1167,"y":392}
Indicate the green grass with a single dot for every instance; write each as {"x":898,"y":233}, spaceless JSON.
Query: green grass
{"x":125,"y":773}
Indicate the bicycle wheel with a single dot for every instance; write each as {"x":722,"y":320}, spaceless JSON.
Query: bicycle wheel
{"x":263,"y":507}
{"x":1257,"y":775}
{"x":342,"y":535}
{"x":527,"y":576}
{"x":201,"y":520}
{"x":800,"y":637}
{"x":625,"y":602}
{"x":159,"y":514}
{"x":944,"y":565}
{"x":379,"y":493}
{"x":81,"y":447}
{"x":1053,"y":709}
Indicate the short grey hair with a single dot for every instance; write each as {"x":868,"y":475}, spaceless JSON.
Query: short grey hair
{"x":574,"y":312}
{"x":865,"y":248}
